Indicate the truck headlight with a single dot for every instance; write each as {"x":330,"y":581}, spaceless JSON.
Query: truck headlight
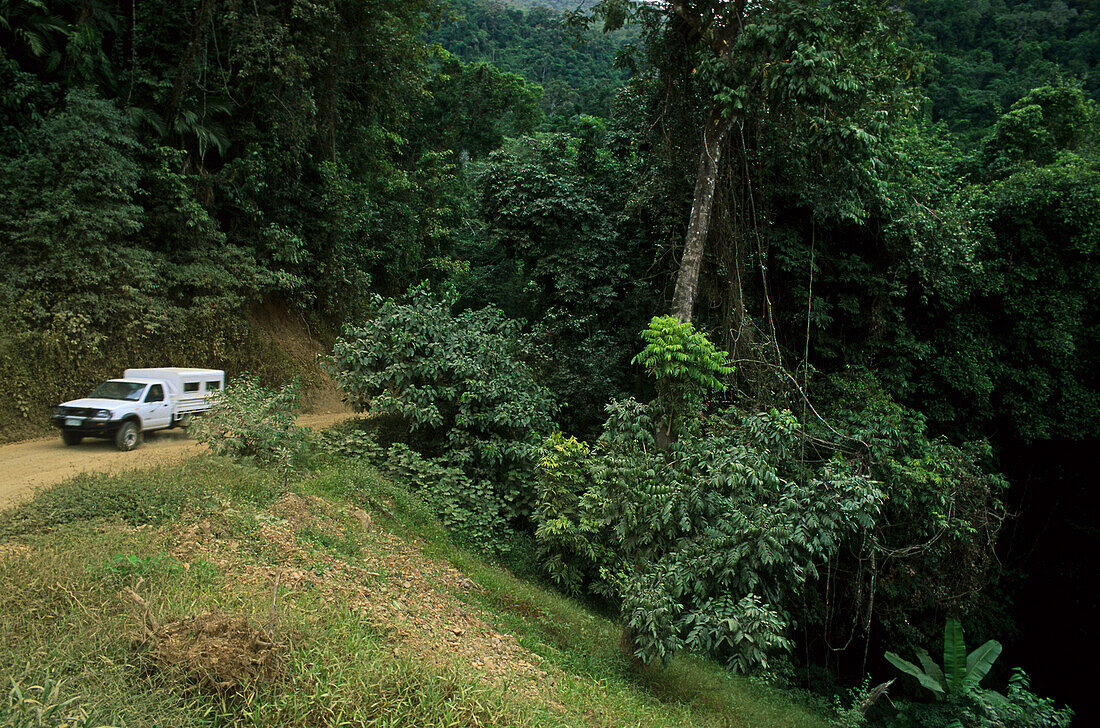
{"x":58,"y":411}
{"x":102,"y":415}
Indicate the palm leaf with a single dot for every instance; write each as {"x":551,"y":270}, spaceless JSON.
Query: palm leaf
{"x":34,"y":41}
{"x":954,"y":654}
{"x":910,"y":669}
{"x":980,"y":661}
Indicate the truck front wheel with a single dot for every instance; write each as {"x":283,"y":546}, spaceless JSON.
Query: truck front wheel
{"x":71,"y":438}
{"x":127,"y":436}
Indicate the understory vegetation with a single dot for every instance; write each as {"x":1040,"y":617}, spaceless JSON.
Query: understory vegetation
{"x":325,"y":568}
{"x":766,"y":329}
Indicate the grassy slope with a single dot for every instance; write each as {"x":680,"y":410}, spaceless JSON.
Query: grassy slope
{"x":382,"y":621}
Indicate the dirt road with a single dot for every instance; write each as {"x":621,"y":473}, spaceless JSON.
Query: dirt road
{"x":32,"y":464}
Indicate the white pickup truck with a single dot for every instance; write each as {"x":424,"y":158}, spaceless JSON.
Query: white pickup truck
{"x":143,"y":400}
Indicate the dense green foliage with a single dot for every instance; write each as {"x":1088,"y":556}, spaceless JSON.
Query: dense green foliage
{"x":249,"y":421}
{"x":561,"y":251}
{"x":906,"y":311}
{"x":713,"y":542}
{"x":169,"y":166}
{"x":575,"y":68}
{"x":470,"y":405}
{"x":935,"y":547}
{"x":709,"y":542}
{"x":1002,"y":321}
{"x":84,"y":260}
{"x":474,"y":106}
{"x":685,"y":364}
{"x":988,"y":55}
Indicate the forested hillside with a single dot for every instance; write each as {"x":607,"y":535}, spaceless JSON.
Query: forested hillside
{"x":737,"y":339}
{"x":986,"y":55}
{"x":979,"y":57}
{"x":562,"y":6}
{"x":167,"y":165}
{"x":575,"y":66}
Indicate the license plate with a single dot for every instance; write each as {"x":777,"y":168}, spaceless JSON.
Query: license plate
{"x":73,"y":422}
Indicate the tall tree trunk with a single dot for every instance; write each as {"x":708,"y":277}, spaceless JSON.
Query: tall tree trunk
{"x":715,"y":132}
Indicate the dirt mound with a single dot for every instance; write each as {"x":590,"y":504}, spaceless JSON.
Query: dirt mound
{"x":421,"y":604}
{"x":295,"y":509}
{"x":216,"y":651}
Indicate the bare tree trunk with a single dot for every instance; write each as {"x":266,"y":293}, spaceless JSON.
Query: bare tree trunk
{"x":687,"y":279}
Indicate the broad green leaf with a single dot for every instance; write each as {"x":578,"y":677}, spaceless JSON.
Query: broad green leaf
{"x":930,"y":666}
{"x":910,"y":669}
{"x":980,"y":661}
{"x":954,"y":654}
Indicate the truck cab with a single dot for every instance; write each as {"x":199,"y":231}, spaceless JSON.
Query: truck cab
{"x":141,"y":401}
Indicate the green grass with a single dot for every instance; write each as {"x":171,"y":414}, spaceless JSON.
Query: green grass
{"x":690,"y":691}
{"x":66,"y":624}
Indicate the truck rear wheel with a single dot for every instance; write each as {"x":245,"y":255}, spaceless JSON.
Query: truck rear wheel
{"x":71,"y":438}
{"x":127,"y":436}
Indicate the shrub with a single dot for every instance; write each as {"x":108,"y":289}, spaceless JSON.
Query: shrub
{"x":940,"y":519}
{"x":1017,"y":707}
{"x":471,"y":405}
{"x":469,"y":509}
{"x":684,"y":363}
{"x":960,"y":698}
{"x":249,"y":421}
{"x":568,"y":541}
{"x":708,"y":544}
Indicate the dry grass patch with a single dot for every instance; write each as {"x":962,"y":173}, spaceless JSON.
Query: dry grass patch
{"x":213,"y":651}
{"x":405,"y":595}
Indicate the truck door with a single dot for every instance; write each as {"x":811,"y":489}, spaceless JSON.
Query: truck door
{"x":157,"y":409}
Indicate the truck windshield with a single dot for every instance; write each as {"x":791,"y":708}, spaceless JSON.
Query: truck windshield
{"x":118,"y":390}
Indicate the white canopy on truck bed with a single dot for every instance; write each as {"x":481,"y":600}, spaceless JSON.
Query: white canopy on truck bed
{"x":190,"y":387}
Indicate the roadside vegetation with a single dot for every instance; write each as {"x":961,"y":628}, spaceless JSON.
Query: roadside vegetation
{"x":284,"y":579}
{"x":768,"y":330}
{"x":373,"y":615}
